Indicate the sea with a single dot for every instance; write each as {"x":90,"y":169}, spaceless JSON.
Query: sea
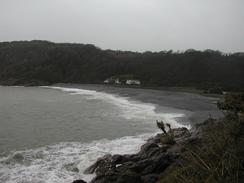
{"x":51,"y":134}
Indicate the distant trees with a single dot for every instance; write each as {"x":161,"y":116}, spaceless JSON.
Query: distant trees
{"x":42,"y":61}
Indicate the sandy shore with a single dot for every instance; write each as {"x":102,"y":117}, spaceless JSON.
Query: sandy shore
{"x":195,"y":107}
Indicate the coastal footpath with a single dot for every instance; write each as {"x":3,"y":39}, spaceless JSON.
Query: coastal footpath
{"x":210,"y":152}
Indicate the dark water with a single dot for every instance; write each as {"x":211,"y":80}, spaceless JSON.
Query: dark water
{"x":45,"y":133}
{"x":38,"y":116}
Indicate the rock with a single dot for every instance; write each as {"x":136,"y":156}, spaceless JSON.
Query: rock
{"x":147,"y":147}
{"x":79,"y":181}
{"x":145,"y":166}
{"x":181,"y":133}
{"x":71,"y":167}
{"x":116,"y":159}
{"x":167,"y":139}
{"x":101,"y":166}
{"x":150,"y":178}
{"x":155,"y":139}
{"x":129,"y":176}
{"x":109,"y":177}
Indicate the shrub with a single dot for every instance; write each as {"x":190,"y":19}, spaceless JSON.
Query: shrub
{"x":218,"y":156}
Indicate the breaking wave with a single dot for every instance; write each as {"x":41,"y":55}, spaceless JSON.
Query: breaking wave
{"x":65,"y":162}
{"x":130,"y":109}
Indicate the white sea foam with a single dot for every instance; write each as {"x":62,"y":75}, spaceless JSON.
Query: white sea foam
{"x":65,"y":162}
{"x":59,"y":163}
{"x":130,"y":109}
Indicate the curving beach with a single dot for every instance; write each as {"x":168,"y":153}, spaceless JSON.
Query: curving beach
{"x":72,"y":125}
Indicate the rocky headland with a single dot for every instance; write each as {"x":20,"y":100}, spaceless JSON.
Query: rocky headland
{"x":146,"y":166}
{"x":211,"y":151}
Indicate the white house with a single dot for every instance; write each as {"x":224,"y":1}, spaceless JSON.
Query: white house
{"x":117,"y":81}
{"x":106,"y":81}
{"x":109,"y":81}
{"x":133,"y":82}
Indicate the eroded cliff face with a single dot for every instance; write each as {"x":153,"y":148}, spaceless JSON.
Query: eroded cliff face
{"x":155,"y":156}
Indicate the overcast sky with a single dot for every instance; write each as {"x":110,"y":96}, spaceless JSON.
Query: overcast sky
{"x":136,"y":25}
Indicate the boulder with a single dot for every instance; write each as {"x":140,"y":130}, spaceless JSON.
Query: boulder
{"x":79,"y":181}
{"x":145,"y":166}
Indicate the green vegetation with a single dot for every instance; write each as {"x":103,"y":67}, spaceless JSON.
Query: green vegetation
{"x":124,"y":77}
{"x":167,"y":137}
{"x":161,"y":126}
{"x":43,"y":62}
{"x":232,"y":103}
{"x":217,"y":157}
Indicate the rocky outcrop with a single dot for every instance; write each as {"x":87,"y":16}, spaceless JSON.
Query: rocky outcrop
{"x":79,"y":181}
{"x":155,"y":156}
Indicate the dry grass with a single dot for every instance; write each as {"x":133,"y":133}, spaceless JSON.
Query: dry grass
{"x":217,"y":158}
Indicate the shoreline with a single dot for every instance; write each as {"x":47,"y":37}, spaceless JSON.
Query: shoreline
{"x":180,"y":156}
{"x":116,"y":146}
{"x":193,"y":113}
{"x":155,"y":156}
{"x":164,"y":100}
{"x":195,"y":107}
{"x":184,"y":89}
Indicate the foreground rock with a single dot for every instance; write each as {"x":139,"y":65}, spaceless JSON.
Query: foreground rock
{"x":157,"y":154}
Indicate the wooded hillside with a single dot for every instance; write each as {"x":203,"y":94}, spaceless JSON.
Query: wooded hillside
{"x":43,"y":62}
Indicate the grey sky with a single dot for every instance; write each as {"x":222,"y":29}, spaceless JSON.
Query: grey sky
{"x":136,"y":25}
